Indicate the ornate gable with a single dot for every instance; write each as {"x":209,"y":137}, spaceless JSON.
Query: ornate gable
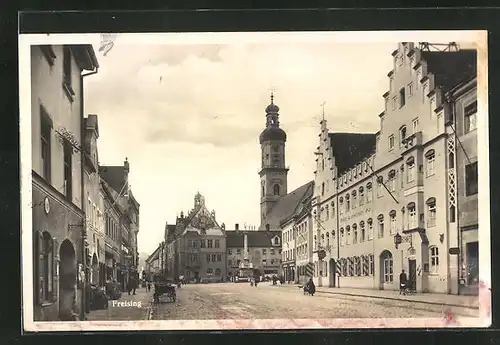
{"x":200,"y":218}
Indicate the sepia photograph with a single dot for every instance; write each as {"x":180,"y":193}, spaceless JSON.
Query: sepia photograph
{"x":254,"y":180}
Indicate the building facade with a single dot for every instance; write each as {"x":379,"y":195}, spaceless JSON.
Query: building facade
{"x":112,"y":249}
{"x":464,"y":98}
{"x":153,"y":262}
{"x":95,"y":203}
{"x":123,"y":223}
{"x":57,"y":169}
{"x":196,"y":246}
{"x":387,"y":202}
{"x":297,"y":239}
{"x":260,"y":249}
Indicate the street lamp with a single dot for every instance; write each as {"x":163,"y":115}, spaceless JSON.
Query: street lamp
{"x":397,"y":240}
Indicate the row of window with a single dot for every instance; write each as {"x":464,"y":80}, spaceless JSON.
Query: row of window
{"x":203,"y":244}
{"x":297,"y":231}
{"x":403,"y":134}
{"x":94,"y":214}
{"x":272,"y":251}
{"x":292,"y":254}
{"x":214,"y":257}
{"x":347,"y":237}
{"x":264,"y":262}
{"x":195,"y":258}
{"x":354,"y":173}
{"x":112,"y":228}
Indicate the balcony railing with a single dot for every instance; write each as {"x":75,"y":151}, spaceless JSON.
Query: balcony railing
{"x":411,"y":141}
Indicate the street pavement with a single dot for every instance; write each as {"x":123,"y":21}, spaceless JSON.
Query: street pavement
{"x":242,"y":301}
{"x":128,"y":307}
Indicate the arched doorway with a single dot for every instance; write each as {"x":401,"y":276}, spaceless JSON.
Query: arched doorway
{"x":332,"y":272}
{"x":94,"y":278}
{"x":386,"y":269}
{"x":67,"y":280}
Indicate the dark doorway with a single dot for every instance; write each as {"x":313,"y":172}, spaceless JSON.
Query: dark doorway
{"x":332,"y":272}
{"x":196,"y":275}
{"x":412,"y":275}
{"x":67,"y":280}
{"x":472,"y":252}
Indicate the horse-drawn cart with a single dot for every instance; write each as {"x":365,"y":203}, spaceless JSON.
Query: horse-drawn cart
{"x":164,"y":291}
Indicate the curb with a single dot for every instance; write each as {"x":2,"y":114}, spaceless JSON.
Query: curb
{"x":395,"y":299}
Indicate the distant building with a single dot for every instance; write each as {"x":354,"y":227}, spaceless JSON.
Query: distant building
{"x":278,"y":207}
{"x":196,"y":245}
{"x":385,"y":202}
{"x":95,"y":203}
{"x":297,"y":240}
{"x":262,"y":251}
{"x":58,"y":190}
{"x":153,"y":262}
{"x":127,"y":209}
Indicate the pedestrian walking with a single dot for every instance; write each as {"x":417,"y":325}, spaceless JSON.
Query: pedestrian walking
{"x":149,"y":287}
{"x":402,"y":282}
{"x":134,"y":285}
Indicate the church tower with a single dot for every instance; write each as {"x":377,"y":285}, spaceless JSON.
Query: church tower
{"x":273,"y":173}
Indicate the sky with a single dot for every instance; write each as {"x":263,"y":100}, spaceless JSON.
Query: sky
{"x":188,"y":117}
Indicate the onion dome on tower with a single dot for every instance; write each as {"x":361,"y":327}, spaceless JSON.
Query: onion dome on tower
{"x":272,"y":130}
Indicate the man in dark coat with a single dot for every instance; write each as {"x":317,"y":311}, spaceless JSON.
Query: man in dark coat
{"x":402,"y":282}
{"x":310,"y":287}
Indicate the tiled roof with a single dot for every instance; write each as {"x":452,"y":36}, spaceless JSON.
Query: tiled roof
{"x":350,"y":148}
{"x":287,"y":206}
{"x":235,"y":239}
{"x":114,"y":176}
{"x":451,"y":68}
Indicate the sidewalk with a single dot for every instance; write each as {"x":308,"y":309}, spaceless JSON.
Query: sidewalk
{"x":471,"y":302}
{"x":136,"y":307}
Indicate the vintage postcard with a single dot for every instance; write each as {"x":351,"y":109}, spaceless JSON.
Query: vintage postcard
{"x":255,"y":180}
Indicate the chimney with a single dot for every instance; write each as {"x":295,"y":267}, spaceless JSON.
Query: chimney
{"x":236,"y":227}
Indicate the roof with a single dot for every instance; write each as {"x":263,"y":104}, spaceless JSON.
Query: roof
{"x":350,"y":148}
{"x":92,"y":123}
{"x":235,"y":238}
{"x":85,"y":56}
{"x":451,"y":67}
{"x":272,"y":133}
{"x":287,"y":205}
{"x":114,"y":176}
{"x":154,"y":255}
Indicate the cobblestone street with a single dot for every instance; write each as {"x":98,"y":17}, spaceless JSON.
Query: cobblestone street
{"x":241,"y":301}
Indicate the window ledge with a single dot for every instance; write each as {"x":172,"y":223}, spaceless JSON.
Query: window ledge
{"x":68,"y":90}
